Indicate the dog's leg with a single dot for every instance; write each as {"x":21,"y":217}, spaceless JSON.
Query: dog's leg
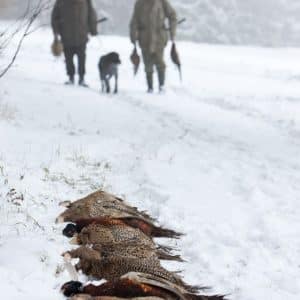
{"x":101,"y":75}
{"x":107,"y":85}
{"x":102,"y":86}
{"x":116,"y":83}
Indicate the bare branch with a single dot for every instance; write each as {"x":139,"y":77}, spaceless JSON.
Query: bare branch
{"x":23,"y":27}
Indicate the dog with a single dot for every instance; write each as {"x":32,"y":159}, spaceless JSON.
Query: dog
{"x":108,"y":68}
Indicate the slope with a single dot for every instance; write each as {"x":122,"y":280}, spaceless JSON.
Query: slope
{"x":216,"y":157}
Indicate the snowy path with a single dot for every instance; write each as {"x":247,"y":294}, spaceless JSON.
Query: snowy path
{"x":216,"y":157}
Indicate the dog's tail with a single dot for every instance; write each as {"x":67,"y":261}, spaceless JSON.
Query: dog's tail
{"x":100,"y":68}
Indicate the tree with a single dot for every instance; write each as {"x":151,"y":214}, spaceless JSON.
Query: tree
{"x":19,"y":30}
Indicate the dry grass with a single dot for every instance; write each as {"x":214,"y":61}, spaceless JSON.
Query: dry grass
{"x":80,"y":173}
{"x":7,"y":112}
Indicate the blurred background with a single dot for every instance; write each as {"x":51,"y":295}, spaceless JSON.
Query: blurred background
{"x":272,"y":23}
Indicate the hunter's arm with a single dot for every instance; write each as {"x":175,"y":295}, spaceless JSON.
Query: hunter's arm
{"x":56,"y":18}
{"x":172,"y":17}
{"x":134,"y":28}
{"x":92,"y":19}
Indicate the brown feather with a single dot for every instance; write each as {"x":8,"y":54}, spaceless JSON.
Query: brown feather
{"x":175,"y":58}
{"x":135,"y":59}
{"x":139,"y":285}
{"x":101,"y":204}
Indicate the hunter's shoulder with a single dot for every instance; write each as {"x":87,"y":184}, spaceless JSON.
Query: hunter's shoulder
{"x":139,"y":3}
{"x":167,"y":2}
{"x":58,"y":2}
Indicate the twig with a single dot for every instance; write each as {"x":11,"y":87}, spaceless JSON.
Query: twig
{"x":35,"y":222}
{"x":36,"y":29}
{"x":17,"y":51}
{"x":34,"y":13}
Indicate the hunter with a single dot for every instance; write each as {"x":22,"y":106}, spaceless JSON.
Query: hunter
{"x":148,"y":27}
{"x":73,"y":20}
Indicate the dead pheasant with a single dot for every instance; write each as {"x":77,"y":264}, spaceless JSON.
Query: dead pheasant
{"x":117,"y":236}
{"x":133,"y":285}
{"x":119,"y":225}
{"x":135,"y":59}
{"x":132,"y":251}
{"x":112,"y":268}
{"x":139,"y":247}
{"x":100,"y":204}
{"x":88,"y":297}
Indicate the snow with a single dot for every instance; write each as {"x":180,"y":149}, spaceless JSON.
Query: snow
{"x":216,"y":157}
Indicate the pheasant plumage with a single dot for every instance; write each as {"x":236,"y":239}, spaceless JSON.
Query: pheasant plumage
{"x":114,"y":233}
{"x":88,"y":297}
{"x":133,"y":285}
{"x":132,"y":251}
{"x":119,"y":247}
{"x":100,"y":204}
{"x":110,"y":234}
{"x":147,"y":228}
{"x":112,"y":268}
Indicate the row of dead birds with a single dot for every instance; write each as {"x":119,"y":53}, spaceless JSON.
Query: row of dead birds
{"x":116,"y":244}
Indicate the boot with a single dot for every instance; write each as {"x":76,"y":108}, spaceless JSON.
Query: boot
{"x":70,"y":81}
{"x":81,"y":82}
{"x":161,"y":80}
{"x":149,"y":77}
{"x":162,"y":90}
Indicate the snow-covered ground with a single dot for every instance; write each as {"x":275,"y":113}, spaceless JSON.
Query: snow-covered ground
{"x":216,"y":157}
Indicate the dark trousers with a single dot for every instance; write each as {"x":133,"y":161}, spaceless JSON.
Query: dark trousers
{"x":70,"y":52}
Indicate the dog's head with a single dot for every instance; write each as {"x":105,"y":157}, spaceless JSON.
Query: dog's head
{"x":114,"y":58}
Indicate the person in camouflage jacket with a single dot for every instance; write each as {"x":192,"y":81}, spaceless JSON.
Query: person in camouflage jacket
{"x":73,"y":20}
{"x":148,"y":27}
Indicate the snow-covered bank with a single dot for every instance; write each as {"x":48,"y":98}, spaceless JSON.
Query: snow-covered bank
{"x":216,"y":157}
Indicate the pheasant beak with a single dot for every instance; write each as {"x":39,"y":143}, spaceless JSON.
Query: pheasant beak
{"x":60,"y":220}
{"x":65,"y":204}
{"x":67,"y":257}
{"x":78,"y":267}
{"x":75,"y":240}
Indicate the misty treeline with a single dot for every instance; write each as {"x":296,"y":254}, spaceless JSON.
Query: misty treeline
{"x":257,"y":22}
